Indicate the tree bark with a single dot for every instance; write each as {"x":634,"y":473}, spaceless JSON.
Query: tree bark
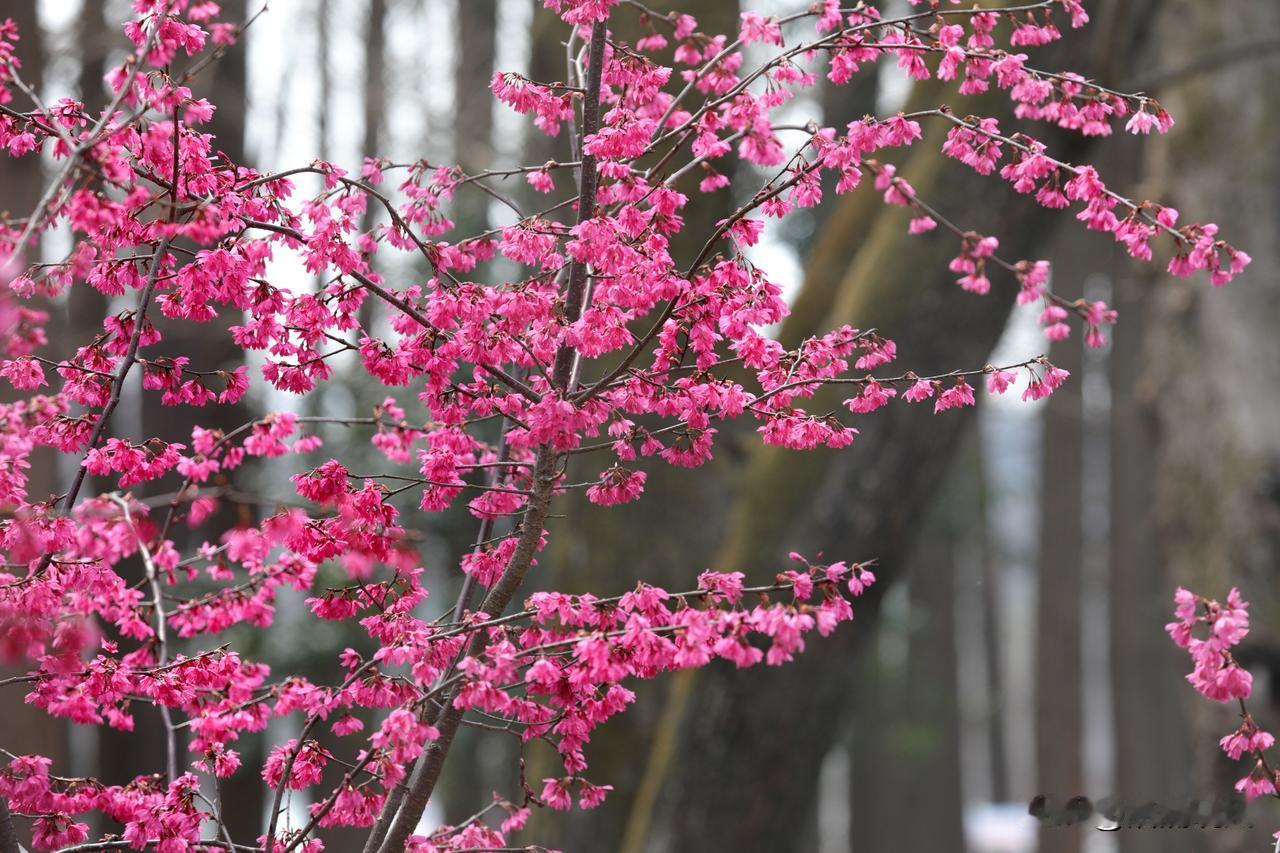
{"x":1212,"y":358}
{"x":123,"y":756}
{"x":473,"y":107}
{"x":861,"y":503}
{"x":1058,"y":677}
{"x":27,"y":730}
{"x":1152,"y":745}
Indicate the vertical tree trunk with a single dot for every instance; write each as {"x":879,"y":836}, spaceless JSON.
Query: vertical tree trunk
{"x":24,"y":729}
{"x":86,"y":307}
{"x":473,"y":107}
{"x":324,"y":75}
{"x":1152,"y":745}
{"x":991,"y":580}
{"x":862,"y":502}
{"x":243,"y":799}
{"x":905,"y":713}
{"x":375,"y":83}
{"x":1059,"y":700}
{"x":1213,"y":356}
{"x":226,"y":84}
{"x":122,"y":756}
{"x":926,"y":736}
{"x":869,"y":761}
{"x":22,"y":178}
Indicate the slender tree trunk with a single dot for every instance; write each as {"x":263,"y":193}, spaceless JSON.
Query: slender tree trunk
{"x":869,"y":761}
{"x":324,"y":74}
{"x":123,"y":756}
{"x":1058,"y":674}
{"x":24,"y":729}
{"x":375,"y":83}
{"x":243,"y":798}
{"x":905,"y":709}
{"x":1152,"y":745}
{"x":923,"y":730}
{"x":473,"y":107}
{"x":991,"y":580}
{"x":22,"y":178}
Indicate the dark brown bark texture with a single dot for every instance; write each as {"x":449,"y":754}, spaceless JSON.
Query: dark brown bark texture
{"x":775,"y":726}
{"x":23,"y":728}
{"x":1059,"y":700}
{"x":605,"y":549}
{"x":1211,"y":362}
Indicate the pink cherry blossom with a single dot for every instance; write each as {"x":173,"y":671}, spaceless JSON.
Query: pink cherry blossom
{"x":579,"y":329}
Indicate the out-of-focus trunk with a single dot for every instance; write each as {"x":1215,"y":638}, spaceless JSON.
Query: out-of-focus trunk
{"x":225,"y":84}
{"x":209,"y":347}
{"x":1212,"y":360}
{"x":922,"y":730}
{"x":869,"y":763}
{"x":488,"y":758}
{"x":991,"y":581}
{"x":658,"y":539}
{"x":375,"y":120}
{"x":774,"y":727}
{"x":1152,"y":747}
{"x":243,"y":800}
{"x":22,"y":178}
{"x":87,"y":308}
{"x":26,"y":730}
{"x":324,"y":75}
{"x":1058,"y":677}
{"x":473,"y":108}
{"x":904,"y":706}
{"x":375,"y":82}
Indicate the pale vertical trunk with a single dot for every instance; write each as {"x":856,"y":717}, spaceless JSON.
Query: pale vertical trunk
{"x":374,"y":99}
{"x":324,"y":77}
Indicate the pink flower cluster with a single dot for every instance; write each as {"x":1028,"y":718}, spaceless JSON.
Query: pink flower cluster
{"x":1217,"y":676}
{"x":600,"y":338}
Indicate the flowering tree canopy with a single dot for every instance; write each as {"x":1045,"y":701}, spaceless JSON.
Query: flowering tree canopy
{"x":589,"y":335}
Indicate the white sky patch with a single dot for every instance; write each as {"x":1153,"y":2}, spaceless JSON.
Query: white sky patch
{"x":779,"y":262}
{"x":1022,"y":339}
